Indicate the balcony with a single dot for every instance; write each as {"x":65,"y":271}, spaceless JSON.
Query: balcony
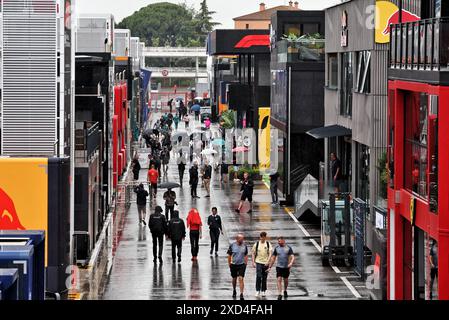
{"x":420,"y":46}
{"x":303,"y":50}
{"x":87,"y":140}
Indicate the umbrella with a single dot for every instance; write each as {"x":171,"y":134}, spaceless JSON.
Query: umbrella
{"x":240,"y":149}
{"x":168,"y":185}
{"x":196,"y":132}
{"x":218,"y":142}
{"x":179,"y":134}
{"x":208,"y":152}
{"x":196,"y":108}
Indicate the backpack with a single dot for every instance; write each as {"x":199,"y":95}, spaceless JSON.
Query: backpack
{"x":257,"y":249}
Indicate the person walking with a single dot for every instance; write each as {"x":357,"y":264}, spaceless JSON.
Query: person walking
{"x":215,"y":228}
{"x":158,"y":228}
{"x":176,"y":121}
{"x":193,"y":181}
{"x":207,"y":175}
{"x":170,"y":105}
{"x":158,"y":162}
{"x":195,"y":224}
{"x":142,"y":195}
{"x":207,"y":123}
{"x":237,"y":261}
{"x":261,"y":256}
{"x":177,"y":234}
{"x":186,"y":120}
{"x":153,"y":176}
{"x":165,"y":156}
{"x":274,"y":188}
{"x":170,"y":201}
{"x":224,"y":170}
{"x":136,"y":168}
{"x":181,"y":170}
{"x":283,"y":253}
{"x":247,"y":190}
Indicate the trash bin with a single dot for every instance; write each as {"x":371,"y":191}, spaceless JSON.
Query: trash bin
{"x":9,"y":280}
{"x":37,"y":240}
{"x":20,"y":257}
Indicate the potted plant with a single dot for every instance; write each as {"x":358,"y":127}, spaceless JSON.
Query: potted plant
{"x":292,"y":40}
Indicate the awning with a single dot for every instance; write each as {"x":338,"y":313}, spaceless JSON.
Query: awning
{"x":330,"y":131}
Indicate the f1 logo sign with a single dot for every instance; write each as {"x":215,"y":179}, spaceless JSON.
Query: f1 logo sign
{"x":252,"y":41}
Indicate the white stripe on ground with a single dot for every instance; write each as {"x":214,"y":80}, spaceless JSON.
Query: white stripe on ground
{"x":351,"y":287}
{"x":336,"y":270}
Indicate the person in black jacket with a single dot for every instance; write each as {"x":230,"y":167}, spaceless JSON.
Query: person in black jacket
{"x":177,"y":234}
{"x":181,"y":169}
{"x":215,"y":228}
{"x":247,"y":190}
{"x":136,"y":168}
{"x":158,"y":228}
{"x":274,"y":177}
{"x":193,"y":172}
{"x":142,"y":195}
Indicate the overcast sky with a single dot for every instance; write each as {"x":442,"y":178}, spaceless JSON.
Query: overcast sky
{"x":226,"y":9}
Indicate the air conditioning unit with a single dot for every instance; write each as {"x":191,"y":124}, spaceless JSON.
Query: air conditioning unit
{"x":36,"y":83}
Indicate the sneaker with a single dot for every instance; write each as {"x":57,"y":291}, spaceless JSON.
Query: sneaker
{"x":211,"y":252}
{"x":280,"y":297}
{"x":250,"y":211}
{"x":264,"y":293}
{"x":144,"y":223}
{"x":208,"y":196}
{"x":216,"y":254}
{"x":234,"y":293}
{"x":242,"y":297}
{"x":237,"y":210}
{"x":257,"y":294}
{"x":179,"y":259}
{"x":197,"y":197}
{"x":285,"y":294}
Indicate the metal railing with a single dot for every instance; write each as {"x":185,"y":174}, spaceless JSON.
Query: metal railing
{"x":420,"y":45}
{"x":87,"y":139}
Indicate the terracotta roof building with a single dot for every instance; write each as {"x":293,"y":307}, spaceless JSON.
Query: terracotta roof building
{"x":262,"y":18}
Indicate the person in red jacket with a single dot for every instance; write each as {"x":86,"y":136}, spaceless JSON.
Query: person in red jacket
{"x":195,"y":224}
{"x":153,"y":176}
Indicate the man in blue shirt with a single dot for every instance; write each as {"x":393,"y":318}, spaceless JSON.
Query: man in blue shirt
{"x":237,"y":260}
{"x":283,"y":253}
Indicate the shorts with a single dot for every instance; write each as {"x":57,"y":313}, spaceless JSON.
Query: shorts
{"x":247,"y":196}
{"x":238,"y":270}
{"x":282,"y":273}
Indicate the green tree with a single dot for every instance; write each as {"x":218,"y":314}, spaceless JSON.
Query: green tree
{"x":162,"y":24}
{"x":167,"y":24}
{"x":204,"y":24}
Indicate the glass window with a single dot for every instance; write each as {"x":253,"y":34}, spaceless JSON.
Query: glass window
{"x":363,"y":72}
{"x":363,"y":164}
{"x":416,"y":137}
{"x":292,"y":29}
{"x":346,"y":85}
{"x":332,"y":80}
{"x":310,"y":28}
{"x":433,"y":154}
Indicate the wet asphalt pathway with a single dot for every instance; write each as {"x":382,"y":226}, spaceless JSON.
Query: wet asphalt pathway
{"x":134,"y":275}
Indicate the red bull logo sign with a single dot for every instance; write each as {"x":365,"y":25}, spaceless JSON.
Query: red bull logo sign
{"x":9,"y":219}
{"x":24,"y":194}
{"x":388,"y":13}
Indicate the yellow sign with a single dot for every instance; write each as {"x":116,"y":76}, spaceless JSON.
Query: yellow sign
{"x":388,"y":13}
{"x":264,"y":138}
{"x":24,"y":195}
{"x":412,"y":210}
